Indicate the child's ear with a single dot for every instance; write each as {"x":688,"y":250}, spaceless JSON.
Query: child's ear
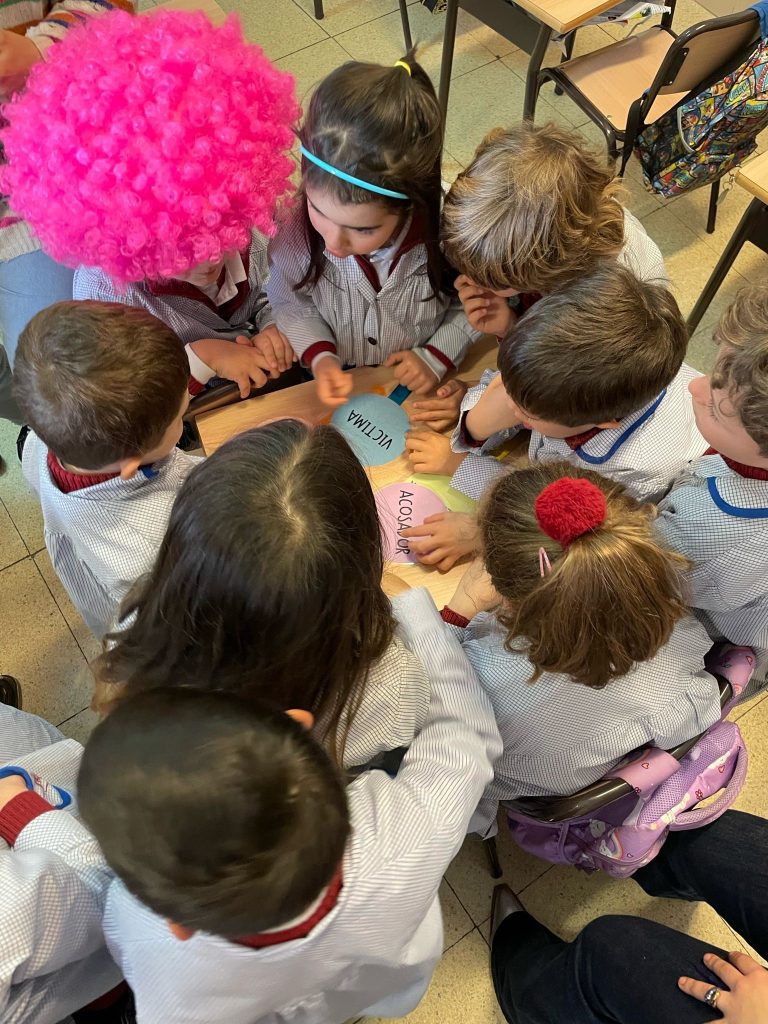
{"x":178,"y":931}
{"x":129,"y":467}
{"x":304,"y":718}
{"x":609,"y":424}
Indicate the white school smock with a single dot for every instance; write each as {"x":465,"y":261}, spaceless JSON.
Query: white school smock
{"x":363,"y":326}
{"x":719,"y":519}
{"x":102,"y":538}
{"x":560,"y":736}
{"x":53,"y":885}
{"x":646,"y":453}
{"x":377,"y":948}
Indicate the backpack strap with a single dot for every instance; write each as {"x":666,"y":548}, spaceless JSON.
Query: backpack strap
{"x":647,"y":771}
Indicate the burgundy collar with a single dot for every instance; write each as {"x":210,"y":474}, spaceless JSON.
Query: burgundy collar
{"x":68,"y":482}
{"x":188,"y":291}
{"x":750,"y":472}
{"x":577,"y":440}
{"x":414,"y":236}
{"x":303,"y":928}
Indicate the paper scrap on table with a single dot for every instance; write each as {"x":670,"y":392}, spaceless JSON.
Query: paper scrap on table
{"x":374,"y":427}
{"x":441,"y":485}
{"x":401,"y":505}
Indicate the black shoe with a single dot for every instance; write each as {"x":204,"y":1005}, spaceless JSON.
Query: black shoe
{"x":504,"y":903}
{"x":2,"y":465}
{"x":10,"y":691}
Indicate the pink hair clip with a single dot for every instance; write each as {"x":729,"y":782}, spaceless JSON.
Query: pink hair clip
{"x":544,"y":564}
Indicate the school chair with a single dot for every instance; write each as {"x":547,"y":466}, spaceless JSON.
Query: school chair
{"x":597,"y":796}
{"x":629,"y":84}
{"x":320,"y":14}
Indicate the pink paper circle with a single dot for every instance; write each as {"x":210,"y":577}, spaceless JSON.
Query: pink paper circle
{"x":401,"y":505}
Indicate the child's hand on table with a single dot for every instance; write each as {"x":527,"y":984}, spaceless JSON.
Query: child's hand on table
{"x":475,"y":592}
{"x":441,"y":412}
{"x":392,"y":585}
{"x":333,"y":385}
{"x":446,"y":537}
{"x":275,"y":348}
{"x":239,"y":362}
{"x":485,"y":310}
{"x":429,"y":452}
{"x":413,"y":372}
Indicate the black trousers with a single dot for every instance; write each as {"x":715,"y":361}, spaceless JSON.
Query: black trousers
{"x":624,"y":970}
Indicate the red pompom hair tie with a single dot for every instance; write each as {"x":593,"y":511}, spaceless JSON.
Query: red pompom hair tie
{"x":570,"y":507}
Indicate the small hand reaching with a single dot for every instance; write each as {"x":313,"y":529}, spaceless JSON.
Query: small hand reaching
{"x":441,"y":540}
{"x":334,"y":386}
{"x":239,"y":362}
{"x":411,"y":370}
{"x":746,"y":1000}
{"x":275,"y":348}
{"x":441,"y":412}
{"x":485,"y":310}
{"x":429,"y":452}
{"x":475,"y":592}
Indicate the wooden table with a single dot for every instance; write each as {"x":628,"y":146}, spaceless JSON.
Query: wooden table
{"x":218,"y":426}
{"x":527,"y":23}
{"x":753,"y":227}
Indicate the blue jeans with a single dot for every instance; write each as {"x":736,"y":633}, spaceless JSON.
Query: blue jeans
{"x":624,"y":970}
{"x":27,"y":284}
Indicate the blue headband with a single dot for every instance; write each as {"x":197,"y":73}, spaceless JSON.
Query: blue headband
{"x":350,"y":177}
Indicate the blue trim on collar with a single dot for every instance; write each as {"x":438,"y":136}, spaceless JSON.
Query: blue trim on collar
{"x":14,"y":769}
{"x":598,"y":460}
{"x":149,"y":471}
{"x":733,"y":510}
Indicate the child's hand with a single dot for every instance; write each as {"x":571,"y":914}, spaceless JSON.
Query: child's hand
{"x":333,"y":385}
{"x":475,"y":592}
{"x":429,"y":452}
{"x":275,"y":348}
{"x":441,"y":412}
{"x":392,"y":585}
{"x":239,"y":362}
{"x":10,"y":787}
{"x":747,"y":1000}
{"x":485,"y":311}
{"x":17,"y":55}
{"x":447,"y":537}
{"x":413,"y":372}
{"x":494,"y":411}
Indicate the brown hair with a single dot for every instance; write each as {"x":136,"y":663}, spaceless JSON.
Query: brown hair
{"x":382,"y":125}
{"x":99,"y":381}
{"x":742,"y":362}
{"x":268,"y":581}
{"x":613,"y":595}
{"x":215,"y":812}
{"x":599,"y":349}
{"x":533,"y":210}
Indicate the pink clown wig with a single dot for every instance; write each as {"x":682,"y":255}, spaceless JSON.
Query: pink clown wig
{"x":147,"y":145}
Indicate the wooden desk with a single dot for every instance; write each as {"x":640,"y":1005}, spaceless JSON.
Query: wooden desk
{"x":218,"y":426}
{"x":210,"y":8}
{"x":530,"y":24}
{"x":753,"y":227}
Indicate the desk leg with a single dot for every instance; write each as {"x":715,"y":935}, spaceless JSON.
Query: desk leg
{"x":534,"y":66}
{"x":446,"y":65}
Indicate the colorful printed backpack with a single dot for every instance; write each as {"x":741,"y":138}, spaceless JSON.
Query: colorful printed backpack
{"x":668,"y":794}
{"x":702,"y":139}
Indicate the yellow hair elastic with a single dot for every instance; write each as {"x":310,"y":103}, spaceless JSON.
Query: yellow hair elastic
{"x":401,"y":64}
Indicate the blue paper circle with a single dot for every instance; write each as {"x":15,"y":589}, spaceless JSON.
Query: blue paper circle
{"x":374,"y":426}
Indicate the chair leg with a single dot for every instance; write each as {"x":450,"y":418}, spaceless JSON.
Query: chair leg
{"x":446,"y":61}
{"x":714,"y":193}
{"x":569,"y":41}
{"x":406,"y":25}
{"x":752,"y":216}
{"x":319,"y":12}
{"x":494,"y":865}
{"x":532,"y":80}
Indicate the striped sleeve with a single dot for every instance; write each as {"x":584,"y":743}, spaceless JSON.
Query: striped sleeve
{"x":64,"y":15}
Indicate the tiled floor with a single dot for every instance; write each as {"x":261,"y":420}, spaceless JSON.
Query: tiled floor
{"x":43,"y":641}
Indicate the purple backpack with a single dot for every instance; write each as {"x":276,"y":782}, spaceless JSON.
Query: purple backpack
{"x":628,"y":833}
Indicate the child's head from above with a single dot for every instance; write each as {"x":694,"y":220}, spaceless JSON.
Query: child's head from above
{"x":731,"y":406}
{"x":613,"y":593}
{"x":534,"y":210}
{"x":592,"y":353}
{"x":217,"y":813}
{"x":102,"y":384}
{"x":176,"y":149}
{"x":382,"y":126}
{"x":272,"y":564}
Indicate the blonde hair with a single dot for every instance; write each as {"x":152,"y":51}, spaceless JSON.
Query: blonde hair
{"x":742,"y":363}
{"x":612,"y":597}
{"x":533,"y":210}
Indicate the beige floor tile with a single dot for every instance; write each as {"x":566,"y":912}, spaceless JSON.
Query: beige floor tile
{"x":311,"y":65}
{"x":37,"y":646}
{"x":342,"y":15}
{"x":461,"y":988}
{"x":80,"y":726}
{"x":12,"y":547}
{"x":278,"y":36}
{"x":749,"y":705}
{"x":87,"y":642}
{"x":754,"y":727}
{"x":450,"y":167}
{"x":471,"y":880}
{"x":483,"y":99}
{"x":22,"y":505}
{"x":499,"y":45}
{"x":456,"y":921}
{"x":382,"y":41}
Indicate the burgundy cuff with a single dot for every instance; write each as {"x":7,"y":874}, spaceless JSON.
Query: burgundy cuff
{"x":464,"y":434}
{"x":453,"y":618}
{"x":315,"y":350}
{"x":194,"y":387}
{"x":18,"y":813}
{"x":441,"y":356}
